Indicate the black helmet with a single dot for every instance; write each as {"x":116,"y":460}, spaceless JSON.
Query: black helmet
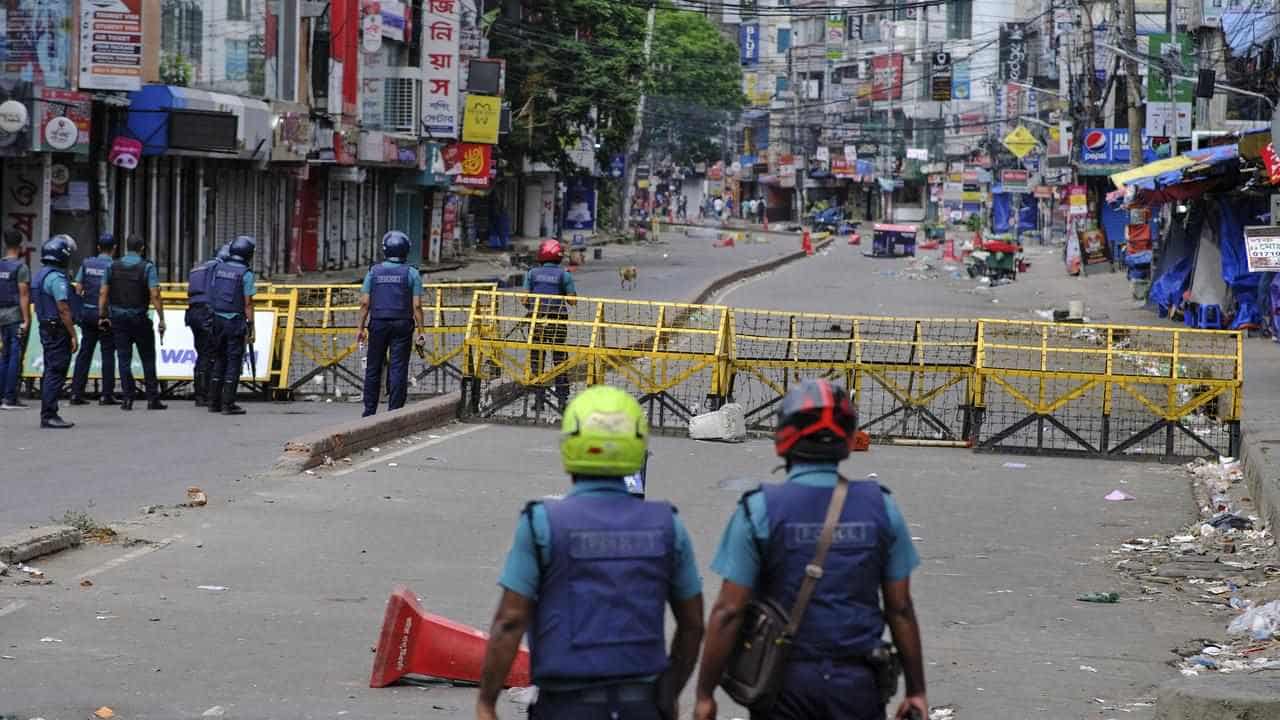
{"x":57,"y":250}
{"x":242,"y":248}
{"x":816,"y":422}
{"x":106,"y":240}
{"x":224,"y":253}
{"x":395,"y":244}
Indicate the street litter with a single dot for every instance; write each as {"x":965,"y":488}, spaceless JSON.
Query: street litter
{"x":50,"y":640}
{"x":1015,"y":465}
{"x":1260,"y":623}
{"x":393,"y":464}
{"x":726,"y":424}
{"x":523,"y":695}
{"x":1118,"y":495}
{"x":1099,"y":597}
{"x":33,"y":572}
{"x":4,"y":569}
{"x":1089,"y":668}
{"x":943,"y":712}
{"x":1231,"y":520}
{"x":214,"y":712}
{"x":104,"y":712}
{"x":212,"y":588}
{"x":196,"y":497}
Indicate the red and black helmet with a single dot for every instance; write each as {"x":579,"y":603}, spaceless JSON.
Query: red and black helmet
{"x":550,"y":251}
{"x":816,"y":422}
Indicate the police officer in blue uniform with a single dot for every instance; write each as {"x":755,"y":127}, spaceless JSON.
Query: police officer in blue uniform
{"x":52,"y":292}
{"x":590,"y":576}
{"x":88,"y":285}
{"x":15,"y":318}
{"x":231,"y":291}
{"x":548,"y":278}
{"x":827,"y":675}
{"x":127,"y":287}
{"x":392,"y":297}
{"x":200,"y":319}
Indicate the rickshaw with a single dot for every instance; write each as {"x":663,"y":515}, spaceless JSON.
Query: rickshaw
{"x":996,"y":258}
{"x":893,"y":240}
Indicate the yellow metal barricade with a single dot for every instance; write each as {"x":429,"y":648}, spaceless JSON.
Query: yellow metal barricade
{"x":1097,"y":390}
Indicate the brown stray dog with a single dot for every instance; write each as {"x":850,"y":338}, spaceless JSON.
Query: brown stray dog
{"x":628,"y":274}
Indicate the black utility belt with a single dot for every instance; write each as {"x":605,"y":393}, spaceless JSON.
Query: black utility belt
{"x":620,"y":692}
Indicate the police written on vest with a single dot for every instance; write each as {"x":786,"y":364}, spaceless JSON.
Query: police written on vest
{"x":92,"y":272}
{"x":9,"y":295}
{"x":198,"y":283}
{"x":226,"y":291}
{"x":390,"y":293}
{"x":548,"y":280}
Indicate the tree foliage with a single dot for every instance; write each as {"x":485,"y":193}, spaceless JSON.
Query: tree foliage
{"x":573,"y":66}
{"x":696,"y":87}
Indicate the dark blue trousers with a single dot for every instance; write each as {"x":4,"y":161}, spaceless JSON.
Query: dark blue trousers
{"x":90,"y":338}
{"x":11,"y":348}
{"x":826,"y":690}
{"x":131,"y":330}
{"x":228,"y":349}
{"x":394,"y":338}
{"x":200,"y":319}
{"x":605,"y":703}
{"x":57,"y":360}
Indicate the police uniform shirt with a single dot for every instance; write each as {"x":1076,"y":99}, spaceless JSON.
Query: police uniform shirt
{"x":566,"y":281}
{"x":129,"y":260}
{"x":738,"y":557}
{"x":105,"y":256}
{"x":415,"y":278}
{"x":55,"y":284}
{"x":11,"y":315}
{"x":522,"y":573}
{"x":248,"y":287}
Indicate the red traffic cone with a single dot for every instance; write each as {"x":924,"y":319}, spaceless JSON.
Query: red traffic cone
{"x":415,"y":642}
{"x":806,"y":243}
{"x":949,"y":250}
{"x":855,"y":238}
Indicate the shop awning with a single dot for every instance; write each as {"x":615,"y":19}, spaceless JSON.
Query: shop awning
{"x":1177,"y":178}
{"x":174,"y":120}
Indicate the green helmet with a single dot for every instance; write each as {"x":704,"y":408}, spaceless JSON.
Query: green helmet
{"x":604,"y":433}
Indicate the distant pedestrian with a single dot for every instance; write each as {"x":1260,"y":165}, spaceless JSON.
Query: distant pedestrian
{"x":231,"y":291}
{"x":728,"y":207}
{"x":683,"y":210}
{"x":392,"y":297}
{"x":129,"y":285}
{"x":550,"y":279}
{"x":199,"y":318}
{"x":15,"y":318}
{"x":57,"y":326}
{"x":88,"y":286}
{"x":761,"y":211}
{"x":718,"y":206}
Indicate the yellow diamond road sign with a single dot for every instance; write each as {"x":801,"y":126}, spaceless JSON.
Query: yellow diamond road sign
{"x":1020,"y":142}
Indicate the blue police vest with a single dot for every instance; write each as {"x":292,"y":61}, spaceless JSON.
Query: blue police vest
{"x":9,"y":296}
{"x":92,"y":270}
{"x":602,"y":599}
{"x":46,"y":306}
{"x":390,"y":297}
{"x":548,"y":280}
{"x":198,"y":283}
{"x":844,"y":618}
{"x":226,"y":289}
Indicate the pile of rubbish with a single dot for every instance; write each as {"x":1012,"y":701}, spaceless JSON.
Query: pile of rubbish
{"x":1224,"y":563}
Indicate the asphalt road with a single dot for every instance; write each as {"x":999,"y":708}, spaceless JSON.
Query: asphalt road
{"x":112,"y":463}
{"x":307,"y":565}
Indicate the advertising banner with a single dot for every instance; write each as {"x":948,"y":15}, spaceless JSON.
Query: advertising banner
{"x":36,"y":44}
{"x":940,"y":78}
{"x":176,"y":354}
{"x":749,"y":43}
{"x":580,"y":203}
{"x":111,"y":44}
{"x":886,"y":77}
{"x":476,"y":161}
{"x":482,"y":119}
{"x":1262,"y":246}
{"x":1093,"y":245}
{"x":440,"y":38}
{"x":1013,"y":52}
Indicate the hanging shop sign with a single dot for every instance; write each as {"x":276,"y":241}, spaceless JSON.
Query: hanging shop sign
{"x":482,"y":119}
{"x":1262,"y":246}
{"x":111,"y":45}
{"x":63,"y":119}
{"x":440,"y":38}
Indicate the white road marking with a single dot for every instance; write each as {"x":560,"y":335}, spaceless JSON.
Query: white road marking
{"x":382,"y":458}
{"x":129,"y":556}
{"x":12,"y":607}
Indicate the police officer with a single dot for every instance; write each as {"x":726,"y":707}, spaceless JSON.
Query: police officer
{"x":15,"y":318}
{"x":551,"y":313}
{"x":127,"y":286}
{"x":88,"y":285}
{"x":231,"y":291}
{"x":200,"y":319}
{"x":57,"y":327}
{"x":761,"y":553}
{"x":392,"y":297}
{"x":590,"y":577}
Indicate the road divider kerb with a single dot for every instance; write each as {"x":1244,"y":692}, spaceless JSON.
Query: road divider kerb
{"x":338,"y":441}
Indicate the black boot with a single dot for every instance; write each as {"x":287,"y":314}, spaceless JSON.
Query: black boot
{"x":198,"y":384}
{"x":229,"y":406}
{"x":213,"y":394}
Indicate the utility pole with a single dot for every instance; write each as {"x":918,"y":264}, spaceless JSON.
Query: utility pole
{"x":796,"y":175}
{"x":633,"y":147}
{"x":1128,"y":27}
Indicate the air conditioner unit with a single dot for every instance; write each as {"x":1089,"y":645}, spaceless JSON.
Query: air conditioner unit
{"x":400,"y":105}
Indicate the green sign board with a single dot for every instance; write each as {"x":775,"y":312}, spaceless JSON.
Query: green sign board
{"x":1167,"y":46}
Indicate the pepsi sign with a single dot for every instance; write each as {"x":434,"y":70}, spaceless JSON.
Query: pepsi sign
{"x":1110,"y":146}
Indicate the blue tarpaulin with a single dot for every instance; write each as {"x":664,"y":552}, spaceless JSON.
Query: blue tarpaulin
{"x":1173,"y":273}
{"x":1001,"y":213}
{"x":1235,"y":214}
